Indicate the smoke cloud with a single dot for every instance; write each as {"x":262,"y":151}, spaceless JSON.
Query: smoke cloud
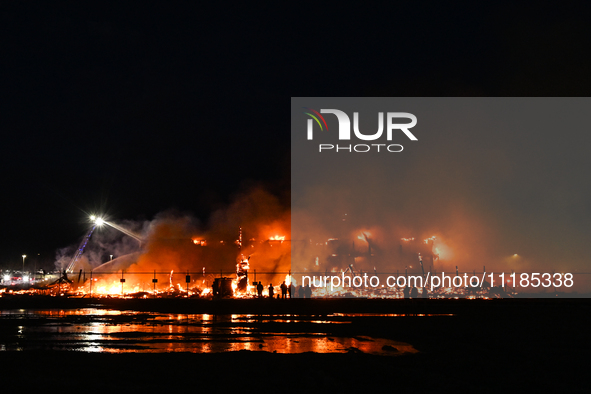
{"x":177,"y":241}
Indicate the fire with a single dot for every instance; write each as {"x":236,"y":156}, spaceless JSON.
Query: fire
{"x":441,"y":250}
{"x":277,"y":238}
{"x":364,"y":235}
{"x":249,"y":291}
{"x":112,"y":287}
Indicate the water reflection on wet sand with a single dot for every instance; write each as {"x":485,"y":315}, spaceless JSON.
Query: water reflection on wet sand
{"x":113,"y":331}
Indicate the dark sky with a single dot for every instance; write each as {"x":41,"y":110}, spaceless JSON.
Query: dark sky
{"x":138,"y":108}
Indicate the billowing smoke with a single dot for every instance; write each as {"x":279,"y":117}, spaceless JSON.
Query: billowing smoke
{"x":394,"y":228}
{"x":473,"y":223}
{"x":488,"y":177}
{"x":178,"y":242}
{"x":104,"y":243}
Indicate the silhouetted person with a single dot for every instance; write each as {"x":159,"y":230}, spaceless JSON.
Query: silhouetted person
{"x":414,"y":293}
{"x":260,"y":289}
{"x":308,"y":291}
{"x":300,"y":291}
{"x":425,"y":293}
{"x":406,"y":291}
{"x":283,"y":290}
{"x":291,"y":290}
{"x":271,"y":290}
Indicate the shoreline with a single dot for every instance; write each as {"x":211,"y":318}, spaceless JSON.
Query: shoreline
{"x":299,"y":306}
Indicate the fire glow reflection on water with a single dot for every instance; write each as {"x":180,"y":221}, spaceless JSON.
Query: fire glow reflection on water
{"x":114,"y":331}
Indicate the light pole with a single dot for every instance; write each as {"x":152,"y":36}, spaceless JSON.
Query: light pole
{"x":23,"y":273}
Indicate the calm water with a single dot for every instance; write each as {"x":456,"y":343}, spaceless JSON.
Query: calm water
{"x":113,"y":331}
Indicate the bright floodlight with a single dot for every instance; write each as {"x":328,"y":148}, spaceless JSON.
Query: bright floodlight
{"x":97,"y":221}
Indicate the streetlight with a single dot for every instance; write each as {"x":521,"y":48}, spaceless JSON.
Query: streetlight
{"x":24,"y":256}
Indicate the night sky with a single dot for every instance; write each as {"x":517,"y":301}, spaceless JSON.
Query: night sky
{"x":138,"y":108}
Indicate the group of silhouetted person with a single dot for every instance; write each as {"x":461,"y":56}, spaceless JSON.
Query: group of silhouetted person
{"x":286,"y":291}
{"x":413,"y":292}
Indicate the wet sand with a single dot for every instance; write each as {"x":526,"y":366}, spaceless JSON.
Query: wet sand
{"x":112,"y":331}
{"x":506,"y":346}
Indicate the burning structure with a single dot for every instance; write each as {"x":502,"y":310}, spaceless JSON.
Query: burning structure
{"x":172,"y":257}
{"x":175,"y":254}
{"x":208,"y":267}
{"x":344,"y":267}
{"x":242,"y":273}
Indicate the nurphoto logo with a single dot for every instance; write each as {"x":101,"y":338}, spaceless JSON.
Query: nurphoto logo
{"x":344,"y":132}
